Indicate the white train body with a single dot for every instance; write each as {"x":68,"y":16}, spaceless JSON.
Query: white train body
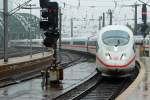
{"x":113,"y":47}
{"x":85,"y":44}
{"x":116,"y":52}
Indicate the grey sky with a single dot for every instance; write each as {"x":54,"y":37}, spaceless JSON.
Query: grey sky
{"x":91,"y":9}
{"x":94,"y":8}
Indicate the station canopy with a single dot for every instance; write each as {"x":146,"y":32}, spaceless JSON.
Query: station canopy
{"x":20,"y":26}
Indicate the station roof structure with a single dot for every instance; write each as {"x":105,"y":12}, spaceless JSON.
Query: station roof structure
{"x":21,"y":25}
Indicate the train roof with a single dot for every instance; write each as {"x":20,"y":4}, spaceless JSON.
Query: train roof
{"x":116,"y":27}
{"x":75,"y":38}
{"x":92,"y":37}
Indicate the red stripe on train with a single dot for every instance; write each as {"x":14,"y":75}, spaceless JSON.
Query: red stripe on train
{"x":146,"y":46}
{"x":116,"y":66}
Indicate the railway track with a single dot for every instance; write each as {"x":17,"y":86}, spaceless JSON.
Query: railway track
{"x":67,"y":59}
{"x":73,"y":57}
{"x":99,"y":88}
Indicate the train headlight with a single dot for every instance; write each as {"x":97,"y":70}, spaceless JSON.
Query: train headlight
{"x":123,"y":57}
{"x":115,"y":48}
{"x":108,"y":56}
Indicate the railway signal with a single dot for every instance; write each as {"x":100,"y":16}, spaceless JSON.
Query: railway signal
{"x":53,"y":14}
{"x":43,"y":3}
{"x":51,"y":38}
{"x":143,"y":29}
{"x":49,"y":22}
{"x":144,"y":13}
{"x":49,"y":16}
{"x":144,"y":19}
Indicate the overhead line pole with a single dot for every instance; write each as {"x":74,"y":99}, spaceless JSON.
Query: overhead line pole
{"x":135,"y":20}
{"x":5,"y":14}
{"x":71,"y":27}
{"x":135,"y":16}
{"x":103,"y":20}
{"x":30,"y":34}
{"x":100,"y":18}
{"x":60,"y":28}
{"x":110,"y":14}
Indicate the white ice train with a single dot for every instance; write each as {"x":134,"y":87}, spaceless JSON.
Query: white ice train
{"x":116,"y":52}
{"x":113,"y":47}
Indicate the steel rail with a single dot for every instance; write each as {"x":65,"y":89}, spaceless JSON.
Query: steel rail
{"x":99,"y":88}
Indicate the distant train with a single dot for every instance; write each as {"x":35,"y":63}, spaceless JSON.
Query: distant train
{"x":26,"y":43}
{"x":113,"y":47}
{"x":85,"y":44}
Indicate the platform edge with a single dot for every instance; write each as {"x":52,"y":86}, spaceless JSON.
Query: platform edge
{"x":134,"y":85}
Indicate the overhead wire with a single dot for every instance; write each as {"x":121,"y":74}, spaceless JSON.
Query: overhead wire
{"x":17,"y":2}
{"x":77,"y":6}
{"x":104,"y":0}
{"x":120,"y":8}
{"x":117,"y":3}
{"x":13,"y":11}
{"x":147,"y":2}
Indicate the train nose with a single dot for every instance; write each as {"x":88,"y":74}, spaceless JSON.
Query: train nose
{"x":116,"y":59}
{"x":121,"y":56}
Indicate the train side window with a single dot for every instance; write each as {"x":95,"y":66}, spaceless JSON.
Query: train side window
{"x":97,"y":46}
{"x":65,"y":42}
{"x":79,"y":43}
{"x":91,"y":43}
{"x":134,"y":48}
{"x":35,"y":43}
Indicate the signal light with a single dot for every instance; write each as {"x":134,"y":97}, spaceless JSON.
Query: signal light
{"x":53,"y":14}
{"x":50,"y":16}
{"x":143,"y":29}
{"x":144,"y":13}
{"x":44,"y":13}
{"x":52,"y":33}
{"x":44,"y":25}
{"x":43,"y":3}
{"x":48,"y":42}
{"x":50,"y":39}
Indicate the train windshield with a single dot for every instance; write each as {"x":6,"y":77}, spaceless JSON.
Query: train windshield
{"x":115,"y":38}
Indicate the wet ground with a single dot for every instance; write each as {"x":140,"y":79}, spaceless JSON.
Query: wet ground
{"x":33,"y":90}
{"x":143,"y":90}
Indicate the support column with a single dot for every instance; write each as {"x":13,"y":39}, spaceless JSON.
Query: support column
{"x":5,"y":29}
{"x":71,"y":27}
{"x":103,"y":19}
{"x":135,"y":20}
